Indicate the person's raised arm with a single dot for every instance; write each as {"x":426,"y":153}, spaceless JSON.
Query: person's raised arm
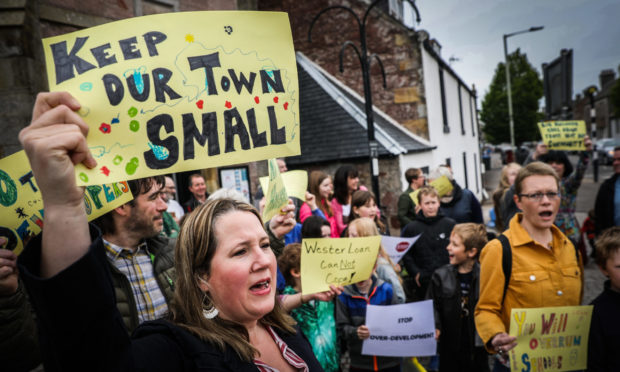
{"x":55,"y":141}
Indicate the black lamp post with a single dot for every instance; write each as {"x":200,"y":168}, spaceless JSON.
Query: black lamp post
{"x":365,"y":59}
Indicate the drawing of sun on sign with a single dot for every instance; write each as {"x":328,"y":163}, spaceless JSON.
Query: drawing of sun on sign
{"x":173,"y":92}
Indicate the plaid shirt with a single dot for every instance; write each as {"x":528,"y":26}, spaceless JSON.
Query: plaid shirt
{"x":138,"y":268}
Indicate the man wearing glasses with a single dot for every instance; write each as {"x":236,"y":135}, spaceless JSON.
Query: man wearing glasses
{"x":545,"y":269}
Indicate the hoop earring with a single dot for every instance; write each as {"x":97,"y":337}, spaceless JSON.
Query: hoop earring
{"x":210,"y":312}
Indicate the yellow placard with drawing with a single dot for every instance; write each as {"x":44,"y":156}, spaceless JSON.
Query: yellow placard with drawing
{"x":295,"y":183}
{"x":180,"y":91}
{"x":275,"y":197}
{"x":441,"y":184}
{"x":550,"y":338}
{"x":564,"y":135}
{"x":340,"y":261}
{"x":21,"y":207}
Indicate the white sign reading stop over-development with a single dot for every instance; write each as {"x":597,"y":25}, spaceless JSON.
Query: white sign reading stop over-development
{"x":401,"y":330}
{"x":396,"y":247}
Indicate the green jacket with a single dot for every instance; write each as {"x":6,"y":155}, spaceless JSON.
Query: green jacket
{"x":406,"y":208}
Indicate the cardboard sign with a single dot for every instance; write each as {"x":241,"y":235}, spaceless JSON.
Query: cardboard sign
{"x":21,"y":207}
{"x":563,"y":135}
{"x":276,"y":197}
{"x":441,"y":184}
{"x":397,"y":247}
{"x":295,"y":183}
{"x":340,"y":261}
{"x":181,"y":91}
{"x":402,"y":330}
{"x":550,"y":338}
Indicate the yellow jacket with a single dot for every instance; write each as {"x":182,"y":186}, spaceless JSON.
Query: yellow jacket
{"x":540,"y":278}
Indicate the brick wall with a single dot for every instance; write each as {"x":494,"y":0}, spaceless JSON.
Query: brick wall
{"x":403,"y":99}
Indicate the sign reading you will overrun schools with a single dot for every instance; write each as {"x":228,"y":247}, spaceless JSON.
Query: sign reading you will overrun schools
{"x":180,"y":91}
{"x":550,"y":338}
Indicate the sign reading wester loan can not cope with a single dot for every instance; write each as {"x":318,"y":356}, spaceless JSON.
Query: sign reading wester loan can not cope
{"x":336,"y":261}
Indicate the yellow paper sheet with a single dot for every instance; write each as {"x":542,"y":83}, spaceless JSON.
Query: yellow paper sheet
{"x":563,"y":135}
{"x":550,"y":338}
{"x":441,"y":184}
{"x":180,"y":91}
{"x":295,"y":183}
{"x":275,"y":197}
{"x":340,"y":261}
{"x":21,"y":207}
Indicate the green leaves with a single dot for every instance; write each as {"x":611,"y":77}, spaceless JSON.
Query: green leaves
{"x":527,"y":90}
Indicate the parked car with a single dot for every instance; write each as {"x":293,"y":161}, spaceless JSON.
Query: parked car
{"x":605,"y":148}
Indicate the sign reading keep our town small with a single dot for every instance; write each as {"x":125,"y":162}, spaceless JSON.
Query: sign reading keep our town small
{"x":336,"y":261}
{"x":175,"y":92}
{"x":563,"y":135}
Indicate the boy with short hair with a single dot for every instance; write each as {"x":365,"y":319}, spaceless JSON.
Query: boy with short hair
{"x":429,"y":251}
{"x":604,"y":341}
{"x":454,"y":291}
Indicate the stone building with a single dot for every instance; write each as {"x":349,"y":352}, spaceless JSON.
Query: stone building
{"x":423,"y":95}
{"x":424,"y":98}
{"x":607,"y":123}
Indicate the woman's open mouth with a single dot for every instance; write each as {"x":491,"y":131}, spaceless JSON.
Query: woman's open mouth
{"x":262,"y":287}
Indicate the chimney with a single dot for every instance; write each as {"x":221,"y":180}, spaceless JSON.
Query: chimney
{"x":436,"y":46}
{"x":606,"y":77}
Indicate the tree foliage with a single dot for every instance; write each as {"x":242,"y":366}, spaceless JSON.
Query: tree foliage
{"x":527,"y":90}
{"x":614,"y":96}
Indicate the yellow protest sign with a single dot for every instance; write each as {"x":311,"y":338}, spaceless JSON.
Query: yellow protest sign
{"x":180,"y":91}
{"x":550,"y":338}
{"x":21,"y":207}
{"x":275,"y":197}
{"x":563,"y":135}
{"x":441,"y":184}
{"x":295,"y":183}
{"x":336,"y":261}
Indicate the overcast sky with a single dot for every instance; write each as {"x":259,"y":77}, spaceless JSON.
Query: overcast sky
{"x":471,"y":30}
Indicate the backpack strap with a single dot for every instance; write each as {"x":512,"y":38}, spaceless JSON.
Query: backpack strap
{"x":506,"y":262}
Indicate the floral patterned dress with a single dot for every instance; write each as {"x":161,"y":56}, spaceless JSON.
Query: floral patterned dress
{"x":316,"y":321}
{"x":569,"y":185}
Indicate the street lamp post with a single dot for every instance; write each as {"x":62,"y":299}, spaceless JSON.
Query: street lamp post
{"x":365,"y":59}
{"x":509,"y":91}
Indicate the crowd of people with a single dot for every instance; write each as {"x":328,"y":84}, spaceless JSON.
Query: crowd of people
{"x":155,"y":286}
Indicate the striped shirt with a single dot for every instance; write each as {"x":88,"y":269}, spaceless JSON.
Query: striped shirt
{"x":138,"y":268}
{"x":289,"y":355}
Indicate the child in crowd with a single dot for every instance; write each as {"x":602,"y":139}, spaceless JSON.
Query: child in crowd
{"x":320,"y":185}
{"x":386,"y":269}
{"x":351,"y":319}
{"x":429,"y":251}
{"x":454,"y":289}
{"x":363,"y":204}
{"x":315,"y":316}
{"x":604,"y":341}
{"x":315,"y":227}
